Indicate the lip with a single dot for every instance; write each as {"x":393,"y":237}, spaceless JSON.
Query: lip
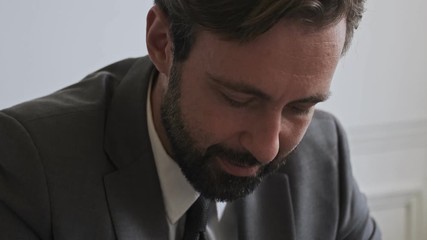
{"x":236,"y":170}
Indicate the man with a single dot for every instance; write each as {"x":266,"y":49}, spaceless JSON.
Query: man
{"x":224,"y":100}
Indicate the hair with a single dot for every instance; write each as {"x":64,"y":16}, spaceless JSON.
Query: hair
{"x":244,"y":20}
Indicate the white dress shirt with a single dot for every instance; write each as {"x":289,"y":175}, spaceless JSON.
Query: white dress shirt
{"x":179,"y":195}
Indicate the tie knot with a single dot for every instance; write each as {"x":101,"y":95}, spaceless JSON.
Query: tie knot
{"x":196,"y":219}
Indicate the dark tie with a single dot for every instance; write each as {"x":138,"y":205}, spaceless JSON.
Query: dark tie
{"x":196,"y":219}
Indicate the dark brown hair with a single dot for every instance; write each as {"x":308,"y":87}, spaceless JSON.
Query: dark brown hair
{"x":244,"y":20}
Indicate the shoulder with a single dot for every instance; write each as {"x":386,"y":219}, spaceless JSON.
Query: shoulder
{"x":324,"y":123}
{"x":45,"y":121}
{"x":52,"y":153}
{"x":73,"y":118}
{"x":90,"y":94}
{"x":324,"y":135}
{"x":322,"y":184}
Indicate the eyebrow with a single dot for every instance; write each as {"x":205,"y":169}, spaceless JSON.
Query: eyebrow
{"x":248,"y":89}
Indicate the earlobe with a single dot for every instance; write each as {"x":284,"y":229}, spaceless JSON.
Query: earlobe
{"x":158,"y":40}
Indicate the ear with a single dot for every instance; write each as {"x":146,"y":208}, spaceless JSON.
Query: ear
{"x":158,"y":40}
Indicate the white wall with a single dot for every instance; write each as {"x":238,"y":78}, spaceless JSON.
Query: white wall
{"x":380,"y":95}
{"x":379,"y":91}
{"x":383,"y":77}
{"x":48,"y":44}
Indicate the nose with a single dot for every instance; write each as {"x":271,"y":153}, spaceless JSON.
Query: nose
{"x":262,"y":138}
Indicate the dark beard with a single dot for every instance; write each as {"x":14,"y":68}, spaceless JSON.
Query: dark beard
{"x":198,"y":165}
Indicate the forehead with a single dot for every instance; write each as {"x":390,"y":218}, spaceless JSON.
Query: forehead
{"x":285,"y":39}
{"x":289,"y":52}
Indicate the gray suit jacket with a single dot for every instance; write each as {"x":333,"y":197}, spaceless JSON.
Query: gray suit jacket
{"x":78,"y":164}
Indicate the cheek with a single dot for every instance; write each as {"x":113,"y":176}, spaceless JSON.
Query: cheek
{"x":207,"y":121}
{"x":211,"y":124}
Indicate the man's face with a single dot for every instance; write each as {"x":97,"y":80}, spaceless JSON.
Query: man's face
{"x":233,"y":112}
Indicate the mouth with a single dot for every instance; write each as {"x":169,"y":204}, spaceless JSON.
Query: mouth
{"x":236,"y":169}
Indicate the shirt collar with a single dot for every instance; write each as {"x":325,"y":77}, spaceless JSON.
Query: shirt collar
{"x":178,"y":194}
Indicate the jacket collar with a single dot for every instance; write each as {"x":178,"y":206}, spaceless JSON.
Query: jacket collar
{"x":267,"y":213}
{"x":133,"y":191}
{"x":126,"y":128}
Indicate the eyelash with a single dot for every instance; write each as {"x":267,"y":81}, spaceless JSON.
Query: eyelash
{"x":237,"y":104}
{"x":301,"y":111}
{"x":233,"y":102}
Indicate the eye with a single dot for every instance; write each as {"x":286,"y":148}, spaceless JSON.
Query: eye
{"x":237,"y":101}
{"x":301,"y":109}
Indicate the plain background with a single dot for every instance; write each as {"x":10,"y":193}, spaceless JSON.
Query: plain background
{"x":379,"y":91}
{"x":48,"y":44}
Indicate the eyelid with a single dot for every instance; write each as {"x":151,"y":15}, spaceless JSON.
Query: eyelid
{"x":302,"y":108}
{"x":235,"y":100}
{"x":238,"y":87}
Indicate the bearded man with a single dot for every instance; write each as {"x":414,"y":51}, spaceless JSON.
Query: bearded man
{"x":213,"y":135}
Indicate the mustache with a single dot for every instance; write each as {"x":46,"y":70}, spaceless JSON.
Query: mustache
{"x":245,"y":159}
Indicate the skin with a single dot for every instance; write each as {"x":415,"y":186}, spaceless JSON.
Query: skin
{"x":255,"y":99}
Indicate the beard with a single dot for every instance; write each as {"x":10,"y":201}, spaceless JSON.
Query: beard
{"x":198,"y":165}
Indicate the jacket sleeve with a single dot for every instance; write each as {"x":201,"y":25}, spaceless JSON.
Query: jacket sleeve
{"x":355,"y":222}
{"x":24,"y":202}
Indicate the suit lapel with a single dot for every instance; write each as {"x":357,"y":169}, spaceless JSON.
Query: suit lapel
{"x":136,"y":203}
{"x":133,"y":191}
{"x":267,"y":213}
